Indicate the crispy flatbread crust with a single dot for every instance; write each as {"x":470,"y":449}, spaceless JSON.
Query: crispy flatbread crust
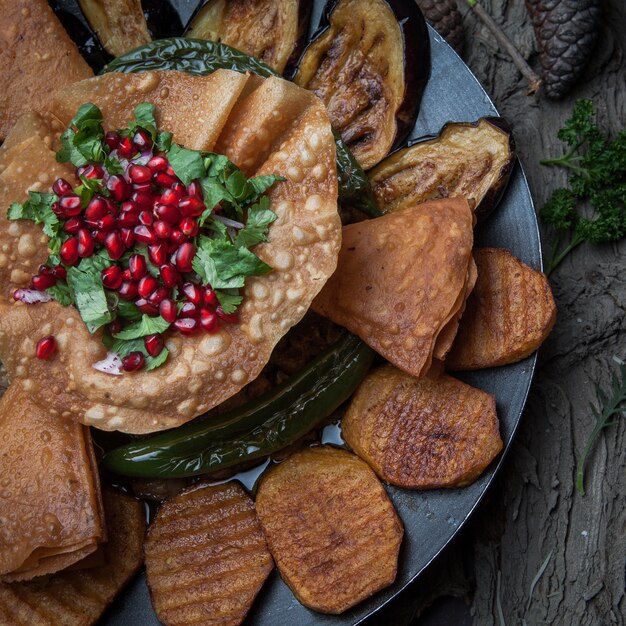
{"x":37,"y":58}
{"x":205,"y":369}
{"x":206,"y":557}
{"x":422,"y":434}
{"x":401,"y":278}
{"x":508,"y":316}
{"x":80,"y":596}
{"x":50,"y":503}
{"x":330,"y":526}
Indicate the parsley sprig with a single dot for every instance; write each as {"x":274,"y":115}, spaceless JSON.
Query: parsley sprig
{"x":593,"y":205}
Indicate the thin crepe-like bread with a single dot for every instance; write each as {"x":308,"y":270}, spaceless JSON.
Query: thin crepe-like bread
{"x":508,"y":316}
{"x":206,"y":557}
{"x":330,"y":526}
{"x":80,"y":596}
{"x":399,"y":280}
{"x":422,"y":434}
{"x":50,"y":506}
{"x":37,"y":58}
{"x":202,"y":370}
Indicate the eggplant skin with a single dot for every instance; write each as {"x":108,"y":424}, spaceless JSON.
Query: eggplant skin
{"x":357,"y":64}
{"x":470,"y":159}
{"x":270,"y":30}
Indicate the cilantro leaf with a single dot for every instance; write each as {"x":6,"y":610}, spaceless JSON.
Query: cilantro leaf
{"x":127,"y":310}
{"x":258,"y":185}
{"x":144,"y":118}
{"x":164,"y":141}
{"x":124,"y":347}
{"x":146,"y":326}
{"x":86,"y":287}
{"x":37,"y":208}
{"x":229,"y":301}
{"x":82,"y":141}
{"x":224,"y":266}
{"x":213,"y":192}
{"x":187,"y":164}
{"x":61,"y":293}
{"x":257,"y":226}
{"x":113,"y":166}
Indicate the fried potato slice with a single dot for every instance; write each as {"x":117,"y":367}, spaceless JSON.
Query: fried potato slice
{"x":399,"y":278}
{"x":206,"y":557}
{"x":330,"y":526}
{"x":80,"y":596}
{"x":37,"y":58}
{"x":50,"y":503}
{"x":422,"y":434}
{"x":508,"y":316}
{"x":202,"y":370}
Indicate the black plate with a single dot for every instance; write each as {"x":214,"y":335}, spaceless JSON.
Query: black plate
{"x":430,"y":518}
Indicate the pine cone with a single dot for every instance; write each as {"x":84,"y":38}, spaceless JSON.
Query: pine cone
{"x":444,"y":17}
{"x":566,"y":32}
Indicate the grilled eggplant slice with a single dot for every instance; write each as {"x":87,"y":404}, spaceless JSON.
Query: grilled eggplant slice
{"x":358,"y":66}
{"x":473,"y":160}
{"x":119,"y":24}
{"x":162,"y":18}
{"x":271,"y":30}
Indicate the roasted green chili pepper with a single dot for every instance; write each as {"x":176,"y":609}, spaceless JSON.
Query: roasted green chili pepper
{"x":259,"y":428}
{"x":197,"y":56}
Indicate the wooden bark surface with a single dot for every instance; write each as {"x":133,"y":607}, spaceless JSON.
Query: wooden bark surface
{"x":533,"y":515}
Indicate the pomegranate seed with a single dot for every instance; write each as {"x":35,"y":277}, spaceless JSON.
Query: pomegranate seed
{"x":158,"y":295}
{"x":61,"y":187}
{"x":44,"y":270}
{"x":189,"y":226}
{"x":46,"y":347}
{"x":162,"y":229}
{"x":127,"y":219}
{"x":172,"y":247}
{"x":171,"y":196}
{"x":70,"y":204}
{"x":147,"y":285}
{"x":58,"y":211}
{"x":142,"y":199}
{"x":90,"y":171}
{"x":43,"y":281}
{"x":112,"y":140}
{"x":106,"y":223}
{"x":195,"y":189}
{"x":189,"y":309}
{"x":112,"y":277}
{"x":157,"y":253}
{"x":128,"y":237}
{"x":208,"y":320}
{"x":126,"y":275}
{"x":229,"y":318}
{"x":144,"y":234}
{"x":126,"y":149}
{"x":96,"y":209}
{"x":209,"y":297}
{"x":137,"y":266}
{"x":167,"y":213}
{"x":169,"y":275}
{"x":116,"y":326}
{"x":154,"y":344}
{"x":133,"y":361}
{"x":139,"y":173}
{"x":114,"y":245}
{"x":163,"y":180}
{"x":147,"y":307}
{"x":69,"y":251}
{"x":146,"y":218}
{"x":86,"y":244}
{"x":141,"y":186}
{"x":113,"y":208}
{"x":184,"y":257}
{"x":129,"y":207}
{"x":169,"y":170}
{"x":59,"y":272}
{"x":186,"y":325}
{"x":127,"y":290}
{"x":142,"y":140}
{"x":168,"y":311}
{"x":73,"y":225}
{"x":100,"y":236}
{"x":193,"y":292}
{"x":191,"y":205}
{"x":118,"y":187}
{"x":178,"y":237}
{"x":157,"y":163}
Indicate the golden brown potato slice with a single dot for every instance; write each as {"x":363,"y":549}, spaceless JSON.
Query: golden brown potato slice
{"x":50,"y":505}
{"x":119,"y":24}
{"x":37,"y":58}
{"x":206,"y":557}
{"x":508,"y":316}
{"x":80,"y":596}
{"x":330,"y":527}
{"x":399,"y":279}
{"x":422,"y":434}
